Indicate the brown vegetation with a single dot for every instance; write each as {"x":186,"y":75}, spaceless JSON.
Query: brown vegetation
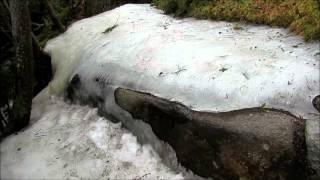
{"x":301,"y":17}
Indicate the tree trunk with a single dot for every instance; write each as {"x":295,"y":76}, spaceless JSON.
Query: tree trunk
{"x":20,"y":105}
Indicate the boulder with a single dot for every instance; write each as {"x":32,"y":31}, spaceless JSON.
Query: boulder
{"x":254,"y":143}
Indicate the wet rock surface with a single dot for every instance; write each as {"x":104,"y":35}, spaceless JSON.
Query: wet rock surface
{"x":251,"y":143}
{"x":316,"y":102}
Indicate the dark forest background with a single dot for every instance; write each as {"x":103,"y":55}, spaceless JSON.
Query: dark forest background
{"x":25,"y":27}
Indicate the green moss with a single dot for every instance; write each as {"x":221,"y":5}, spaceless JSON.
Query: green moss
{"x":301,"y":17}
{"x":49,"y":31}
{"x":168,"y":6}
{"x":183,"y":6}
{"x":62,"y":9}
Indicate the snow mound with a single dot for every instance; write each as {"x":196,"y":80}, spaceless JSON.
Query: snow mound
{"x":204,"y":64}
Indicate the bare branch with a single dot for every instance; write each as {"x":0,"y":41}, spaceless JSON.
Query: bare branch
{"x":54,"y":17}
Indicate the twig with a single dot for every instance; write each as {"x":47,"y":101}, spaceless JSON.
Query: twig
{"x":109,"y":29}
{"x":6,"y":4}
{"x":179,"y":70}
{"x":245,"y":75}
{"x":139,"y":178}
{"x":35,"y":41}
{"x":54,"y":17}
{"x":37,"y":25}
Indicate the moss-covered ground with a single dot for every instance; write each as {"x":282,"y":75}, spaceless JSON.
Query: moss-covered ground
{"x":300,"y":16}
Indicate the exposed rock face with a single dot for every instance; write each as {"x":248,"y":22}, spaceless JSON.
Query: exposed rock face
{"x":250,"y":143}
{"x":316,"y":102}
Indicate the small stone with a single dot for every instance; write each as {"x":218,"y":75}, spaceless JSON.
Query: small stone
{"x":266,"y":147}
{"x":18,"y":149}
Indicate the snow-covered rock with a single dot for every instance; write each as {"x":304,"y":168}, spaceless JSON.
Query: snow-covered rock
{"x":203,"y":64}
{"x":207,"y":66}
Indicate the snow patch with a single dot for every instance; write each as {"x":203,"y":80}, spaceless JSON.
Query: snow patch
{"x":73,"y":142}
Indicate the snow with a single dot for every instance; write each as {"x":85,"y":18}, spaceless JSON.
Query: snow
{"x":73,"y":142}
{"x":205,"y":65}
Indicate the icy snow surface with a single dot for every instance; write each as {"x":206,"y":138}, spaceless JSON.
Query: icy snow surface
{"x":205,"y":65}
{"x":73,"y":142}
